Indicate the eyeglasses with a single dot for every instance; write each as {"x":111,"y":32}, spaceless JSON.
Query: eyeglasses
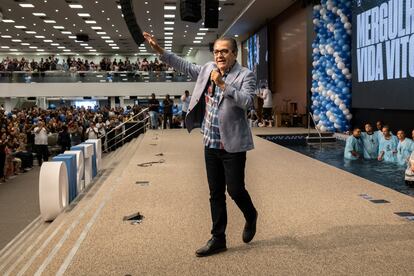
{"x":223,"y":52}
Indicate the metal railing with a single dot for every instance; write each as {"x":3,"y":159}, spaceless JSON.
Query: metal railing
{"x":317,"y":129}
{"x":120,"y":137}
{"x":60,"y":76}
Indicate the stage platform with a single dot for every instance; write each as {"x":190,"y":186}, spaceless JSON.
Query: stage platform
{"x":312,"y":219}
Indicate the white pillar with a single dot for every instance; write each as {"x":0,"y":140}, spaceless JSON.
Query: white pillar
{"x":8,"y":104}
{"x":112,"y":99}
{"x":121,"y":101}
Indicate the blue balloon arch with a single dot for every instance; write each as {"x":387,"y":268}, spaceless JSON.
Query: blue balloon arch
{"x":331,"y":74}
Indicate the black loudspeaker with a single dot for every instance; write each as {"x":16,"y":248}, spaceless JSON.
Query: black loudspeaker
{"x":31,"y":98}
{"x":212,"y":14}
{"x":211,"y":46}
{"x":129,"y":17}
{"x":190,"y":10}
{"x":87,"y":98}
{"x":82,"y":37}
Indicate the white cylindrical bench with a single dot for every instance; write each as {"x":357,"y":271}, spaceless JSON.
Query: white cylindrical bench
{"x":88,"y":154}
{"x":98,"y":148}
{"x":53,"y":189}
{"x":80,"y":166}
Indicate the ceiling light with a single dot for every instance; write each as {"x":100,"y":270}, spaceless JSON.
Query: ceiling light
{"x":146,"y":3}
{"x":115,"y":48}
{"x":61,"y":47}
{"x":201,"y":33}
{"x":75,"y":6}
{"x":84,"y":44}
{"x":55,"y":44}
{"x":169,"y":15}
{"x":16,"y":40}
{"x":119,"y":7}
{"x":25,"y":44}
{"x":113,"y":45}
{"x":109,"y":41}
{"x":25,"y":5}
{"x":203,"y":29}
{"x":39,"y":14}
{"x":168,"y":28}
{"x":66,"y":50}
{"x":92,"y":50}
{"x":196,"y":41}
{"x":84,"y":14}
{"x":39,"y":36}
{"x":5,"y":47}
{"x":101,"y":33}
{"x":8,"y":21}
{"x":58,"y":27}
{"x":169,"y":22}
{"x":171,"y":8}
{"x":88,"y":47}
{"x":169,"y":44}
{"x":72,"y":36}
{"x":198,"y":37}
{"x":96,"y":28}
{"x":40,"y":50}
{"x":66,"y":32}
{"x":90,"y":21}
{"x":30,"y":32}
{"x":105,"y":37}
{"x":236,"y":35}
{"x":49,"y":21}
{"x":168,"y":34}
{"x":20,"y":27}
{"x":33,"y":47}
{"x":47,"y":40}
{"x":13,"y":50}
{"x":168,"y":37}
{"x":167,"y":41}
{"x":56,"y":10}
{"x":147,"y":11}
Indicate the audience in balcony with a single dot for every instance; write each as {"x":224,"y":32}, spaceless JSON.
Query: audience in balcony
{"x":73,"y":65}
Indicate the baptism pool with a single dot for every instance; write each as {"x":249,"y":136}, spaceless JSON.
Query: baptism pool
{"x":388,"y":175}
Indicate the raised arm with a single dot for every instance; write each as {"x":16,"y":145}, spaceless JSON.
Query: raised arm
{"x":173,"y":60}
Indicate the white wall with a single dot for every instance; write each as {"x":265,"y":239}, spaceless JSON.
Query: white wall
{"x":93,"y":89}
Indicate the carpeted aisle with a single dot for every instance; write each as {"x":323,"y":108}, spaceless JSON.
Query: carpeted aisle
{"x":311,"y":218}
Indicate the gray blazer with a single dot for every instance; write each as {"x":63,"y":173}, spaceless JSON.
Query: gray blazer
{"x":237,"y":98}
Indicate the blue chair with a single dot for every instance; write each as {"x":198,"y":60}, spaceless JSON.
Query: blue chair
{"x":70,"y":161}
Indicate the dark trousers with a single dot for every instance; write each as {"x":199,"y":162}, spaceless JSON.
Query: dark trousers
{"x":183,"y":114}
{"x":42,"y":153}
{"x":169,"y":117}
{"x":226,"y":169}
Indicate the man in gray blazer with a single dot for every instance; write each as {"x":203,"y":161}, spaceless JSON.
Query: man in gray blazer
{"x":223,"y":93}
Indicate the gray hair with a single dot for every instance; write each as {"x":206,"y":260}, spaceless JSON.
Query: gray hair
{"x":232,"y":41}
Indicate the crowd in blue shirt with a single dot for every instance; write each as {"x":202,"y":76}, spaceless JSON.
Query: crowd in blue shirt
{"x":381,"y":145}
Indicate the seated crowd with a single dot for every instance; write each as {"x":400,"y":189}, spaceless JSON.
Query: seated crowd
{"x":71,"y":64}
{"x":28,"y":132}
{"x":383,"y":146}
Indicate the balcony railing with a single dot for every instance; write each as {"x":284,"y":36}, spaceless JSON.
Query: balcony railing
{"x":92,"y":77}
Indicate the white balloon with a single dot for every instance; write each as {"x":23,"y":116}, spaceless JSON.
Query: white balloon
{"x":336,"y":54}
{"x":331,"y":51}
{"x":316,"y":21}
{"x":335,"y":10}
{"x":347,"y":25}
{"x":323,"y":52}
{"x":349,"y":76}
{"x":324,"y":93}
{"x":320,"y":88}
{"x":337,"y":101}
{"x":316,"y":118}
{"x":332,"y":97}
{"x":315,"y":63}
{"x":339,"y":11}
{"x":317,"y":7}
{"x":329,"y":72}
{"x":341,"y":65}
{"x":316,"y":51}
{"x":334,"y":76}
{"x":338,"y":59}
{"x":315,"y":102}
{"x":332,"y":118}
{"x":345,"y":71}
{"x":323,"y":128}
{"x":349,"y":117}
{"x":342,"y":107}
{"x":337,"y":125}
{"x":315,"y":76}
{"x":345,"y":111}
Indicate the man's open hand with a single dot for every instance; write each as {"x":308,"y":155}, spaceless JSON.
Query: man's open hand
{"x":152,"y":41}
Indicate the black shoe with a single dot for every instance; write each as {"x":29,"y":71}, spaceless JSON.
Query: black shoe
{"x":249,"y":230}
{"x":212,"y":247}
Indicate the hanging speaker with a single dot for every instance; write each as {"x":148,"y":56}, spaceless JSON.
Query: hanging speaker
{"x":190,"y":10}
{"x":129,"y":17}
{"x":211,"y":14}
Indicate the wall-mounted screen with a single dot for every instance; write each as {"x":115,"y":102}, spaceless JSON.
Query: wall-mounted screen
{"x":383,"y":54}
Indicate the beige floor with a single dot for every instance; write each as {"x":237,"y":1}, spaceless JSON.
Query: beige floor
{"x":312,"y":220}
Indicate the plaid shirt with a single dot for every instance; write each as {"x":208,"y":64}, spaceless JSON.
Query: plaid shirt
{"x":210,"y":126}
